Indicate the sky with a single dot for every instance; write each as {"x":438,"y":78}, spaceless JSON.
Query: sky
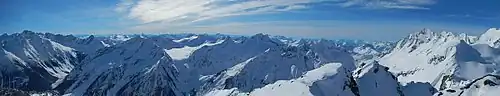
{"x":330,"y":19}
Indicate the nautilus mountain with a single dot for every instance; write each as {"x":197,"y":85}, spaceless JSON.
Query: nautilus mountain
{"x":424,"y":63}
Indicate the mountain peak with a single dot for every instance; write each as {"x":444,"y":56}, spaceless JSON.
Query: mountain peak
{"x":490,"y":37}
{"x":91,"y":37}
{"x":425,"y":31}
{"x":260,"y":36}
{"x":120,"y":37}
{"x":494,"y":29}
{"x":422,"y":35}
{"x":492,"y":32}
{"x":428,"y":34}
{"x":28,"y":32}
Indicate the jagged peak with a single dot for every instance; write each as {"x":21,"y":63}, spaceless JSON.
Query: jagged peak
{"x":226,"y":39}
{"x":87,"y":40}
{"x":261,"y":36}
{"x":27,"y":32}
{"x":374,"y":66}
{"x":423,"y":34}
{"x":90,"y":37}
{"x":426,"y":31}
{"x":427,"y":34}
{"x":447,"y":34}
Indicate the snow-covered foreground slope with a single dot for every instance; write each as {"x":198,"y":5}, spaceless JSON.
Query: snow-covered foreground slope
{"x":327,"y":80}
{"x":488,"y":85}
{"x":372,"y":78}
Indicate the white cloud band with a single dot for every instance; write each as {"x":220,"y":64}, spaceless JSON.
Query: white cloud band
{"x":148,"y":11}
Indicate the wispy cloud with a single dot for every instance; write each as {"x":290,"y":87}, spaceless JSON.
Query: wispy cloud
{"x":148,"y":11}
{"x":391,"y":4}
{"x":196,"y":10}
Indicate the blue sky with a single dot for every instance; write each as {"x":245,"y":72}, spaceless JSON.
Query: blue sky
{"x":331,"y":19}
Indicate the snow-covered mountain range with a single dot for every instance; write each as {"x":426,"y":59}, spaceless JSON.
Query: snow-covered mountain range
{"x":424,"y":63}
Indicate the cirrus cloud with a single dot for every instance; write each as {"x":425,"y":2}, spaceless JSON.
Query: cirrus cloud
{"x":391,"y":4}
{"x":185,"y":11}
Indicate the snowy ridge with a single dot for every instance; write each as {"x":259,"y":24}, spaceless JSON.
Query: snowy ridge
{"x":326,"y":80}
{"x":124,"y":70}
{"x":35,"y":61}
{"x":487,"y":85}
{"x":421,"y":55}
{"x":317,"y":82}
{"x":442,"y":59}
{"x":283,"y":64}
{"x":491,"y":38}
